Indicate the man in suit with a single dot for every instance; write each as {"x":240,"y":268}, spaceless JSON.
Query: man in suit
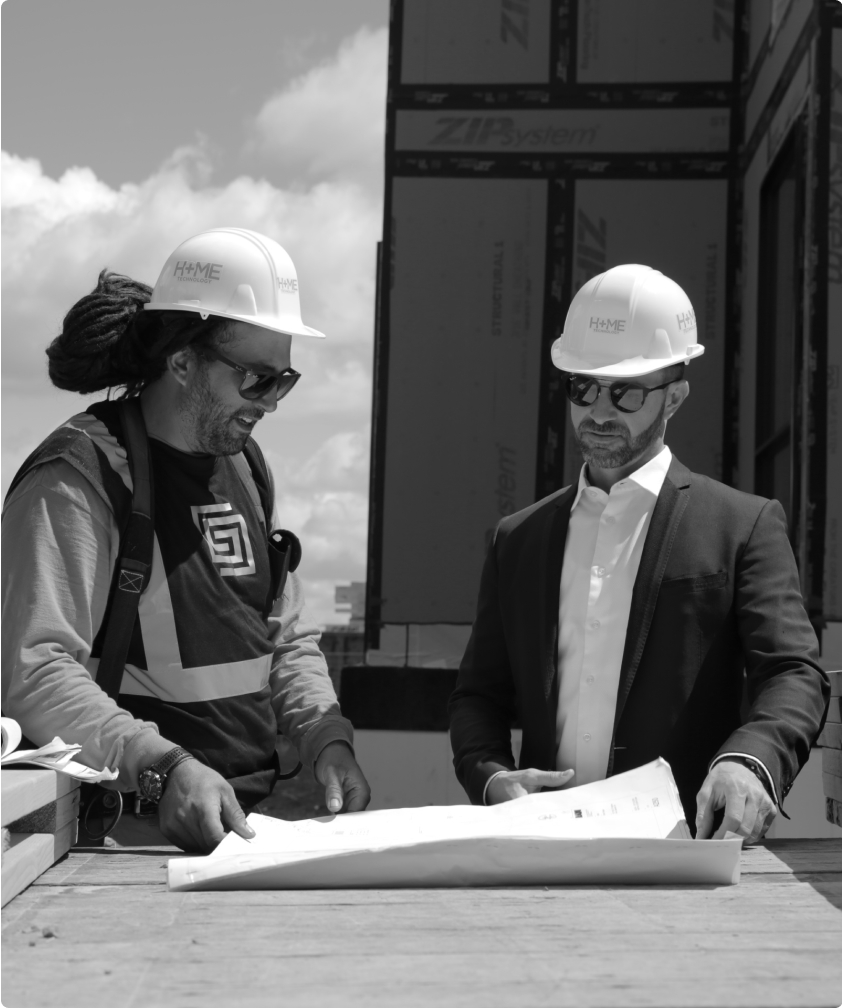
{"x":616,"y":617}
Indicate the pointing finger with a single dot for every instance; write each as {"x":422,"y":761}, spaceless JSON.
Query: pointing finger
{"x":333,"y":790}
{"x":234,"y":818}
{"x":704,"y":813}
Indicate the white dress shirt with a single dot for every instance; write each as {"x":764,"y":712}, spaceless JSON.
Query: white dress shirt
{"x":605,"y":540}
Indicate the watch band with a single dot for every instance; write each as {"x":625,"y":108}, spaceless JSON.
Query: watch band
{"x":169,"y":761}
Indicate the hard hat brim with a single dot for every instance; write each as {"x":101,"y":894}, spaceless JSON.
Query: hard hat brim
{"x":632,"y":367}
{"x":256,"y":320}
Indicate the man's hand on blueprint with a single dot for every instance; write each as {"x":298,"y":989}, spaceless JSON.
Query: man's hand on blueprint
{"x":749,"y":810}
{"x":346,"y":789}
{"x":517,"y":783}
{"x":197,"y":808}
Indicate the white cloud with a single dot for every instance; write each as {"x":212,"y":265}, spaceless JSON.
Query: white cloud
{"x":325,"y":131}
{"x":341,"y":462}
{"x":330,"y":122}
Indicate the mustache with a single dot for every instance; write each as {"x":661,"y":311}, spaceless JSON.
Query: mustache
{"x":589,"y":426}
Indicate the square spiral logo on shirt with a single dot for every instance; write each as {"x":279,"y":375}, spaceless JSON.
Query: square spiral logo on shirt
{"x":227,"y":537}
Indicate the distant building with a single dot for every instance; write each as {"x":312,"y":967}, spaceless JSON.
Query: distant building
{"x":351,"y":598}
{"x":343,"y":643}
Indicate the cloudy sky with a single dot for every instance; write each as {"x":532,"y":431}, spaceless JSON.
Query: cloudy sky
{"x":128,"y":127}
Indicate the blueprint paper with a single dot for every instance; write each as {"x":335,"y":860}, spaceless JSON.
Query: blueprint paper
{"x":627,"y":829}
{"x":55,"y":755}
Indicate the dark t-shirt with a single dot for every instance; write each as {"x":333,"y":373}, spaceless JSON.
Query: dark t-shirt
{"x":208,"y":617}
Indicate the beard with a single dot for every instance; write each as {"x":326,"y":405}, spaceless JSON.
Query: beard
{"x":628,"y":451}
{"x":210,"y":421}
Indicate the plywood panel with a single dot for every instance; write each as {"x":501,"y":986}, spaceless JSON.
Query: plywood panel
{"x":654,"y":40}
{"x":833,"y":531}
{"x":678,"y":227}
{"x":581,"y":131}
{"x":463,"y":393}
{"x":475,"y":42}
{"x":31,"y":854}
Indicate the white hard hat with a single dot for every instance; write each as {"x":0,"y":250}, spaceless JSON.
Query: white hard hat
{"x":629,"y":321}
{"x":235,"y":274}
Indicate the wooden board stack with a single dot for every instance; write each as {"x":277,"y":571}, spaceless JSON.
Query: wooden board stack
{"x":831,"y":742}
{"x":40,"y":812}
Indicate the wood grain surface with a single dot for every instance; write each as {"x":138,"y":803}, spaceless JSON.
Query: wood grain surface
{"x":24,"y":790}
{"x":101,"y":929}
{"x":31,"y":854}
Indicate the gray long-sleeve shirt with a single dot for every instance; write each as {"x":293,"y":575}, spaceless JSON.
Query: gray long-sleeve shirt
{"x":60,"y":546}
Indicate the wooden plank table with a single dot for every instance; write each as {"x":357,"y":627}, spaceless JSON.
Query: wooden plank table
{"x":100,"y":929}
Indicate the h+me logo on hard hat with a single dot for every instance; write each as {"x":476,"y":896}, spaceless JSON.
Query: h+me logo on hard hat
{"x":686,"y":320}
{"x":288,"y":285}
{"x":607,"y":325}
{"x":196,"y":271}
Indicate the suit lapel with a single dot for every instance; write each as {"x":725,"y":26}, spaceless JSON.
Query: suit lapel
{"x":555,"y":537}
{"x":666,"y":518}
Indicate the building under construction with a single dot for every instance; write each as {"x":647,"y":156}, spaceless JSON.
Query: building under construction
{"x":532,"y":144}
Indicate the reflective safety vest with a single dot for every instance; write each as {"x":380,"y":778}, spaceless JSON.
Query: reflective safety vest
{"x":200,"y":656}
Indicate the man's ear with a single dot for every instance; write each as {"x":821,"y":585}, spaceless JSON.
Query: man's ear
{"x":676,"y":394}
{"x":180,"y":364}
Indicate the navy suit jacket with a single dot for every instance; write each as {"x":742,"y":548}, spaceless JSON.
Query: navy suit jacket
{"x":716,"y":604}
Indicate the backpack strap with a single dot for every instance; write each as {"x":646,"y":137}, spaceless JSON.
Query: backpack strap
{"x":261,"y":477}
{"x":284,"y":546}
{"x":76,"y":448}
{"x":136,"y":550}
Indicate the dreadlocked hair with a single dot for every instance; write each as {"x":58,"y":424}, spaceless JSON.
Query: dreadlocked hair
{"x":108,"y":341}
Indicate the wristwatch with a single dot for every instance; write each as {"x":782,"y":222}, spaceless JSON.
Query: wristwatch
{"x":152,"y":781}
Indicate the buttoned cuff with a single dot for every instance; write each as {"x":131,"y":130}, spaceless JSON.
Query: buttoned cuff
{"x":490,"y":779}
{"x":759,"y":763}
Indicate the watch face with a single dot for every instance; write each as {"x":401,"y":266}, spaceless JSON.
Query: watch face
{"x":151,"y":784}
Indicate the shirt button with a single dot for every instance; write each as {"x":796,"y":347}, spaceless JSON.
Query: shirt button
{"x":595,"y":624}
{"x":600,"y":571}
{"x":586,"y":737}
{"x":589,"y":679}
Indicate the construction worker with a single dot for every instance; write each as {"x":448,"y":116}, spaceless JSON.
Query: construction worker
{"x":619,"y":617}
{"x":217,"y":666}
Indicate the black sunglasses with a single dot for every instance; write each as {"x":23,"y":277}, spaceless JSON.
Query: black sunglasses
{"x":254,"y":385}
{"x":628,"y":397}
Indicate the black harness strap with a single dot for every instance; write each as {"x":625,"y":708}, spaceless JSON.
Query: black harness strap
{"x":284,"y":546}
{"x":136,"y":550}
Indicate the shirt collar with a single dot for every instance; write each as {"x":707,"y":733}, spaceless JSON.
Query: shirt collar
{"x":648,"y":477}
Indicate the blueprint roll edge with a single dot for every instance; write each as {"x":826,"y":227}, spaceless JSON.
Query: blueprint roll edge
{"x":500,"y":861}
{"x":627,"y":829}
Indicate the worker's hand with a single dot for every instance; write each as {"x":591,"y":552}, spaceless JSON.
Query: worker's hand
{"x":346,"y":789}
{"x":517,"y":783}
{"x":749,"y":810}
{"x":199,"y":807}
